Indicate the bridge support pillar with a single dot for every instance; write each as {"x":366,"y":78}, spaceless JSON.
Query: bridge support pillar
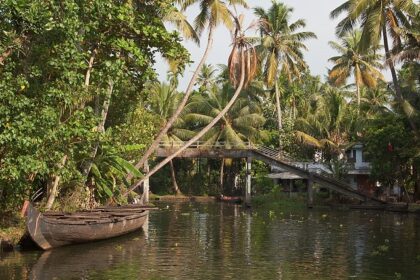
{"x":248,"y":182}
{"x":146,"y":185}
{"x":310,"y":190}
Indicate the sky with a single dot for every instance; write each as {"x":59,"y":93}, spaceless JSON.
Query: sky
{"x":315,"y":13}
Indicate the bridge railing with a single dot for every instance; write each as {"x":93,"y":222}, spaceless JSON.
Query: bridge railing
{"x":227,"y":145}
{"x":206,"y":145}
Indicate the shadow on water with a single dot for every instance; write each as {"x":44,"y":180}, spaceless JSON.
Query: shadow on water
{"x":78,"y":261}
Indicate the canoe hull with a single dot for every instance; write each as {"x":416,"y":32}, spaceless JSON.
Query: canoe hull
{"x":50,"y":233}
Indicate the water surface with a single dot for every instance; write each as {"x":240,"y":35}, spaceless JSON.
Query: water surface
{"x":224,"y":241}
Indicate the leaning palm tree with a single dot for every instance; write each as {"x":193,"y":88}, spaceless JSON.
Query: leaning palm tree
{"x":242,"y":68}
{"x":212,"y":13}
{"x":363,"y":64}
{"x":281,"y":47}
{"x":378,"y":18}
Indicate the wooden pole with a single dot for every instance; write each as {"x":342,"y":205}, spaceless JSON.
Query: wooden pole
{"x":290,"y":187}
{"x":248,"y":182}
{"x":146,"y":185}
{"x":310,"y":190}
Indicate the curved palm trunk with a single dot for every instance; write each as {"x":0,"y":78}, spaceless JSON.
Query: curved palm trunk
{"x":279,"y":113}
{"x":181,"y":106}
{"x":202,"y":132}
{"x":174,"y":183}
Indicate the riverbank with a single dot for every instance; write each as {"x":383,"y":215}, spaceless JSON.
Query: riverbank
{"x":12,"y":229}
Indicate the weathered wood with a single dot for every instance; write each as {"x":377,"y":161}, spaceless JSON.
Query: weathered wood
{"x":248,"y":182}
{"x":51,"y":231}
{"x":204,"y":153}
{"x":310,"y":190}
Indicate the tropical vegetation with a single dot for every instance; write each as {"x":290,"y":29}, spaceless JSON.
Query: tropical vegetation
{"x":82,"y":109}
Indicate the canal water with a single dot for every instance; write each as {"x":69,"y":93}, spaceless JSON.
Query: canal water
{"x":224,"y":241}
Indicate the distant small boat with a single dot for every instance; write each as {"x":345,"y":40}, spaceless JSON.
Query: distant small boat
{"x":367,"y":206}
{"x":55,"y":229}
{"x":233,"y":199}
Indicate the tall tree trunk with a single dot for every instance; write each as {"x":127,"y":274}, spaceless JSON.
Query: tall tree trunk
{"x":174,"y":183}
{"x":100,"y":128}
{"x":397,"y":87}
{"x":203,"y":131}
{"x":222,"y":173}
{"x":279,"y":112}
{"x":90,"y":67}
{"x":181,"y":106}
{"x":358,"y":95}
{"x":52,"y":186}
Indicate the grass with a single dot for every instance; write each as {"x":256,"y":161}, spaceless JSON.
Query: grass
{"x":12,"y":227}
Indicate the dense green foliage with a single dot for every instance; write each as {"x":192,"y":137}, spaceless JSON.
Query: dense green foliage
{"x":71,"y":83}
{"x":80,"y":101}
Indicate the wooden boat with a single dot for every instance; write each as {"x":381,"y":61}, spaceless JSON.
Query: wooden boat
{"x":233,"y":199}
{"x":55,"y":229}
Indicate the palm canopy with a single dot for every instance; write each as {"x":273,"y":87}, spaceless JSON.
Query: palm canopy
{"x":212,"y":12}
{"x":163,"y":101}
{"x":410,"y":49}
{"x":240,"y":124}
{"x":363,"y":64}
{"x":281,"y":48}
{"x":181,"y":22}
{"x":330,"y":123}
{"x":207,"y":77}
{"x":374,"y":15}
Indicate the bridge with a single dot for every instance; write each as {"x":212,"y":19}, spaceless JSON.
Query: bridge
{"x":270,"y":156}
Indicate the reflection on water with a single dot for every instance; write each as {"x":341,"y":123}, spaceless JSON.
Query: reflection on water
{"x":222,"y":241}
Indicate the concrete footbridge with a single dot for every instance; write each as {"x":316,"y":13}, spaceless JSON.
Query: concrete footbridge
{"x":270,"y":156}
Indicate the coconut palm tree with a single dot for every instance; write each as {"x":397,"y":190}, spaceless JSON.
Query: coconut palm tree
{"x":242,"y":69}
{"x":212,"y":13}
{"x":281,"y":47}
{"x":178,"y":18}
{"x":331,"y":123}
{"x":241,"y":124}
{"x":164,"y":99}
{"x":409,"y":50}
{"x":378,"y":18}
{"x":363,"y":64}
{"x":375,"y":101}
{"x":207,"y":77}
